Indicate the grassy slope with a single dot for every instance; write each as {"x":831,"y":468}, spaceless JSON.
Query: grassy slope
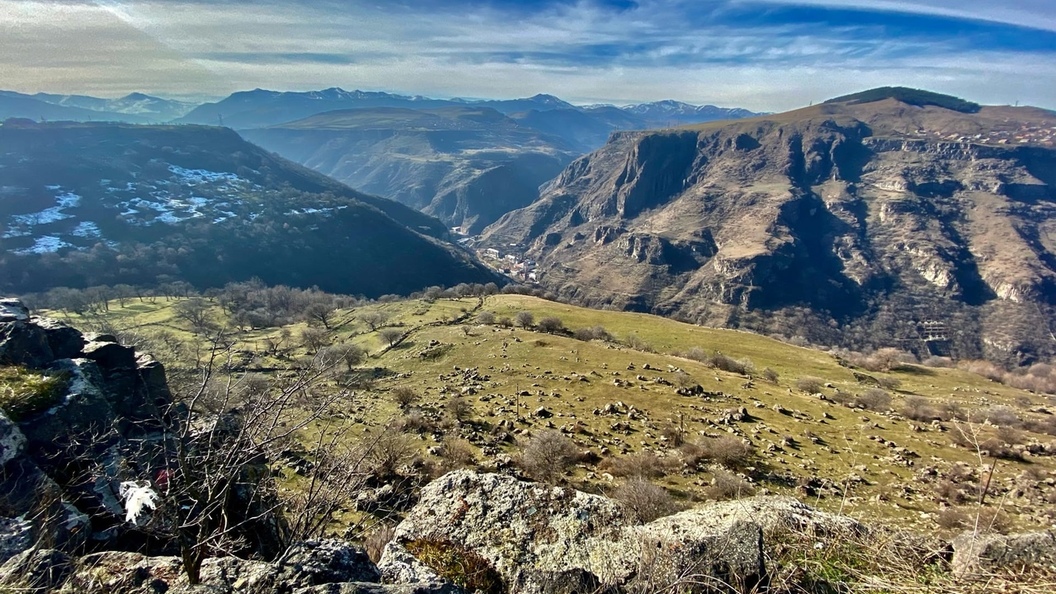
{"x":551,"y":369}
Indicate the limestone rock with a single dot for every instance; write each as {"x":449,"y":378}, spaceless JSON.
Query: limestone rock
{"x":12,"y":441}
{"x":12,"y":310}
{"x":988,"y":552}
{"x":36,"y":570}
{"x":549,"y":539}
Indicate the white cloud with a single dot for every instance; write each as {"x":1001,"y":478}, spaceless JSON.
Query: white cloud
{"x":182,"y":47}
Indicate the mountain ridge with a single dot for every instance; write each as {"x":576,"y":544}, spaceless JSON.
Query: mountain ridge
{"x":834,"y":216}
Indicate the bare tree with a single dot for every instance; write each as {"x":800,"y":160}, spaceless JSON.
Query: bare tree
{"x":373,"y":319}
{"x":195,"y":311}
{"x":390,"y":335}
{"x":547,"y":455}
{"x":320,"y":313}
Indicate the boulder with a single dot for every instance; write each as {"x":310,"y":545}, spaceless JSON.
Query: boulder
{"x":36,"y":570}
{"x":12,"y":310}
{"x":22,"y":343}
{"x":109,"y":354}
{"x":65,"y":342}
{"x":540,"y":539}
{"x":984,"y":553}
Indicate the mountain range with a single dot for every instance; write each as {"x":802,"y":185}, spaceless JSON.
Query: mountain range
{"x":85,"y":204}
{"x":894,"y":217}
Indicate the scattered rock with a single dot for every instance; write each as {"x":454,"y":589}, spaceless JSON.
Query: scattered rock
{"x":985,"y":553}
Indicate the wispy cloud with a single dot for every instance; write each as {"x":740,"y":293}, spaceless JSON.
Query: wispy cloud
{"x":763,"y":54}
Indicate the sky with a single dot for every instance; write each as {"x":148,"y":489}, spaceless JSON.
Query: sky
{"x":758,"y":54}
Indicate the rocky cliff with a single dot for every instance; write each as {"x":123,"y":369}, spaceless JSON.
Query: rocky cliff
{"x":853,"y":223}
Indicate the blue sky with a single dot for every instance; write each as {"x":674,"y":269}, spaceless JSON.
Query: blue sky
{"x":759,"y":54}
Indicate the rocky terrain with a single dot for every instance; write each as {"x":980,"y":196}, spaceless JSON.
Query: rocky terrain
{"x":484,"y":528}
{"x":856,"y":222}
{"x":199,"y":205}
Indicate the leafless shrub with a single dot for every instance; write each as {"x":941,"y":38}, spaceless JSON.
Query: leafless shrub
{"x":592,"y":333}
{"x":644,"y":465}
{"x":457,"y":453}
{"x":374,"y":542}
{"x":1003,"y":415}
{"x":889,"y":383}
{"x":459,"y":409}
{"x":727,"y":485}
{"x":875,"y":399}
{"x":547,"y":455}
{"x":388,"y":450}
{"x":983,"y":368}
{"x":635,"y":342}
{"x":550,"y":325}
{"x":809,"y":384}
{"x":644,"y":501}
{"x":390,"y":336}
{"x":405,"y":396}
{"x":486,"y":318}
{"x":524,"y":319}
{"x":1046,"y":425}
{"x":769,"y":375}
{"x":416,"y":422}
{"x":314,"y":339}
{"x":697,"y":354}
{"x":727,"y":451}
{"x":921,"y":409}
{"x":727,"y":363}
{"x":938,"y":362}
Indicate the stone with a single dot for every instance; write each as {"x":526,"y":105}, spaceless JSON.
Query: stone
{"x":12,"y":441}
{"x":65,"y":342}
{"x":985,"y":553}
{"x":12,"y":310}
{"x":110,"y":354}
{"x":36,"y":570}
{"x":548,"y":539}
{"x":22,"y":343}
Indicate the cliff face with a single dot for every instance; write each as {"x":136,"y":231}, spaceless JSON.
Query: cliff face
{"x":869,"y":218}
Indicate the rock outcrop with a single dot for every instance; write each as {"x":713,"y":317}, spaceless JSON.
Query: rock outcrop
{"x":544,"y":539}
{"x":986,"y":553}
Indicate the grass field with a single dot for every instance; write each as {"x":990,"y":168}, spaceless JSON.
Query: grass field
{"x":620,"y":402}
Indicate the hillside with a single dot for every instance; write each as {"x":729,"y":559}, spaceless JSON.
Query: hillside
{"x":647,"y":397}
{"x":466,"y":166}
{"x":853,"y":223}
{"x":90,"y":204}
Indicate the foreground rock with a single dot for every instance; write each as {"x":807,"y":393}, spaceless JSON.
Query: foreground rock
{"x":984,"y":553}
{"x":544,"y":539}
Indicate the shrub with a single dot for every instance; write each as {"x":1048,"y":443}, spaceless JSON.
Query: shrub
{"x":727,"y":485}
{"x":810,"y":385}
{"x":727,"y":450}
{"x":635,"y":342}
{"x":314,"y":339}
{"x":697,"y":354}
{"x":459,"y":409}
{"x":547,"y":455}
{"x":390,"y":335}
{"x":374,"y":542}
{"x":486,"y":318}
{"x":1004,"y":416}
{"x":769,"y":375}
{"x":875,"y":399}
{"x":404,"y":396}
{"x":458,"y":565}
{"x":726,"y":363}
{"x":550,"y":325}
{"x":594,"y":333}
{"x":644,"y":465}
{"x":457,"y":453}
{"x":388,"y":451}
{"x":889,"y":383}
{"x":524,"y":319}
{"x":919,"y":408}
{"x":644,"y":502}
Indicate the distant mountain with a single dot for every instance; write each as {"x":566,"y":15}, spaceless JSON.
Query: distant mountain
{"x":18,"y":105}
{"x":260,"y":108}
{"x":134,"y":108}
{"x":886,"y":218}
{"x":466,"y":165}
{"x":91,"y":204}
{"x":668,"y":113}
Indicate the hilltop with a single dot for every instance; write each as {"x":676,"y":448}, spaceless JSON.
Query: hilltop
{"x":861,"y":222}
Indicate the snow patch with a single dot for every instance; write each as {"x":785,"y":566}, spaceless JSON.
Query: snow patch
{"x":45,"y":245}
{"x":86,"y":229}
{"x":201,"y":176}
